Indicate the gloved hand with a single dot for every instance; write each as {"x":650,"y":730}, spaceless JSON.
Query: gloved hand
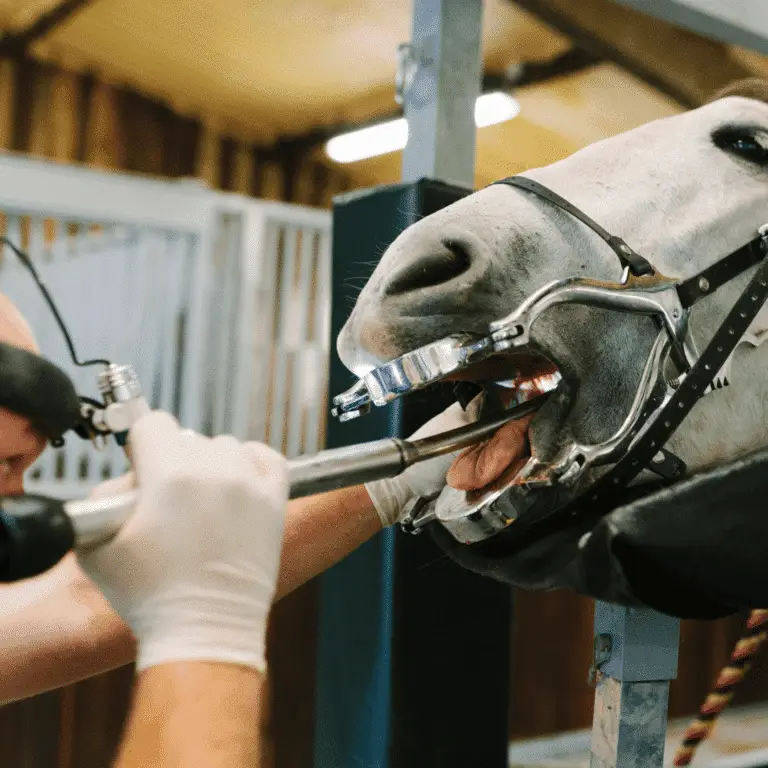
{"x":193,"y":571}
{"x":427,"y":478}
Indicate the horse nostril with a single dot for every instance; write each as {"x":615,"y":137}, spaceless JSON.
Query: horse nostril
{"x":453,"y":259}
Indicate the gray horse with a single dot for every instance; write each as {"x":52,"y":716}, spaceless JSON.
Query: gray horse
{"x":684,"y":191}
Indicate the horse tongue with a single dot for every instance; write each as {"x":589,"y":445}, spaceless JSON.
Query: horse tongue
{"x":480,"y":465}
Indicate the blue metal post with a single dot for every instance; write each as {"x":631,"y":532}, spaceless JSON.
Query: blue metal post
{"x":353,"y":678}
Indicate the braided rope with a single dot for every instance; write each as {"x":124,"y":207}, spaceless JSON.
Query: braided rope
{"x":730,"y":677}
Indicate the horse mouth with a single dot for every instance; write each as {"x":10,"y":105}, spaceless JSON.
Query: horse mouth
{"x":498,"y":460}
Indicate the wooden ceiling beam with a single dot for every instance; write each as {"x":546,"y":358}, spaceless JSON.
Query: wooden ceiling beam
{"x":524,"y":74}
{"x":680,"y":64}
{"x":16,"y":44}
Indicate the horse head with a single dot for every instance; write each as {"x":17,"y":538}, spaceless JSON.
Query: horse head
{"x":683,"y":191}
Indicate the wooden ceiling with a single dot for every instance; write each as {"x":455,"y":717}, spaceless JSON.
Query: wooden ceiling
{"x":260,"y":69}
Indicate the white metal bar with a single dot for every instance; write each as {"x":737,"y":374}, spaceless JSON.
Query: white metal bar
{"x":286,"y":213}
{"x":155,"y":329}
{"x":172,"y":307}
{"x":321,"y":343}
{"x":129,"y":298}
{"x":228,"y":306}
{"x":277,"y":431}
{"x":299,"y":299}
{"x":148,"y":294}
{"x":39,"y":186}
{"x":254,"y":262}
{"x":193,"y":367}
{"x":262,"y":323}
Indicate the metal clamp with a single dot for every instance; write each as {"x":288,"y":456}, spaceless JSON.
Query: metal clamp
{"x":653,"y":295}
{"x":648,"y":295}
{"x":124,"y":403}
{"x":405,"y":72}
{"x":417,"y":513}
{"x":574,"y":460}
{"x":601,"y":656}
{"x":411,"y":372}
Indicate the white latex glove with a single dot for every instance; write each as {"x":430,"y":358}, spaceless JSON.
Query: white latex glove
{"x":193,"y":571}
{"x":426,"y":478}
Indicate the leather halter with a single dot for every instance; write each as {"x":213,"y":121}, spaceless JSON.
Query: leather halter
{"x":636,"y":264}
{"x":690,"y":290}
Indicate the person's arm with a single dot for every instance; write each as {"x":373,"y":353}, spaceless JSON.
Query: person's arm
{"x":55,"y":630}
{"x":319,"y":531}
{"x":65,"y":630}
{"x":193,"y":572}
{"x":322,"y":530}
{"x":58,"y":629}
{"x":171,"y":723}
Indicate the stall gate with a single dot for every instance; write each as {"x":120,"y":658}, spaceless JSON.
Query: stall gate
{"x":221,"y":303}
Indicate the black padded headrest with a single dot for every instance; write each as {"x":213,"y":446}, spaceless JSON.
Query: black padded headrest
{"x":37,"y":389}
{"x":695,"y":550}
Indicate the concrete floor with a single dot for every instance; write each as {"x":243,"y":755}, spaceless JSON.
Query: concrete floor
{"x":740,"y":740}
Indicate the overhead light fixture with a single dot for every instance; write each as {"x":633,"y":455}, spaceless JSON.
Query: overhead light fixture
{"x":392,"y":135}
{"x":379,"y":139}
{"x":495,"y":107}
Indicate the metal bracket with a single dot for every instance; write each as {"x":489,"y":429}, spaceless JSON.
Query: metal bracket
{"x":601,"y":655}
{"x":407,"y":65}
{"x":416,"y":514}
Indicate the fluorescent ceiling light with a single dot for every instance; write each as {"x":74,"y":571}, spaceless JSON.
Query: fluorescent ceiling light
{"x":392,"y":135}
{"x":378,"y":139}
{"x":495,"y":107}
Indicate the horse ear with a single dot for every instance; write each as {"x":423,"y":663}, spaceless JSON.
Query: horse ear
{"x":750,"y":88}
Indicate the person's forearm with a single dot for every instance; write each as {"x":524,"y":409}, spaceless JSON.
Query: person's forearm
{"x":322,"y":530}
{"x":170,"y":724}
{"x":56,"y":631}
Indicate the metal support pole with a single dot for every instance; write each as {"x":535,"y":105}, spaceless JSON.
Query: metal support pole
{"x":636,"y":655}
{"x":385,"y":672}
{"x":441,"y":75}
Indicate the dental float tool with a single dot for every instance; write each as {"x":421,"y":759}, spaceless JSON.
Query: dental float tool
{"x":37,"y":531}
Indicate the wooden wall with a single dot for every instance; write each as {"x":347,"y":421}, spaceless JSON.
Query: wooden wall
{"x":75,"y":118}
{"x":69,"y":117}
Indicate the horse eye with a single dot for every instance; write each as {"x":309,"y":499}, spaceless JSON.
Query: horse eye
{"x":743,"y":144}
{"x":748,"y":147}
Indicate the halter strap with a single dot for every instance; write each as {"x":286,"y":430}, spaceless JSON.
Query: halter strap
{"x":634,"y":261}
{"x":710,"y":279}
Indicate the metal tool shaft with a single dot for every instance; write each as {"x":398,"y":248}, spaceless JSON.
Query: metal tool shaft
{"x":343,"y":467}
{"x":95,"y":521}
